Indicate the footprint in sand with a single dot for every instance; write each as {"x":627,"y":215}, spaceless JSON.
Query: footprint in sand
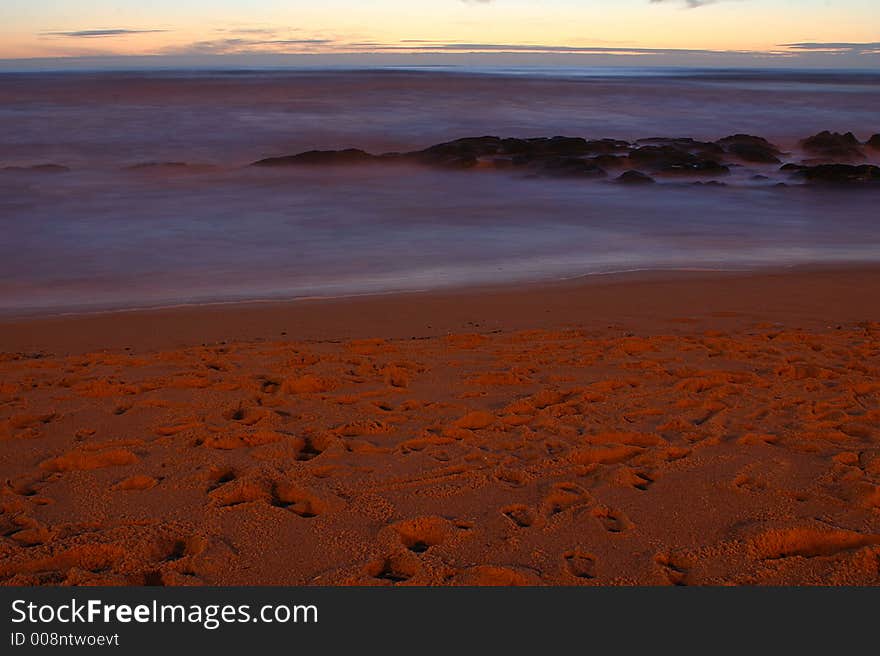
{"x":268,"y":385}
{"x":521,"y":515}
{"x":611,"y":520}
{"x":420,"y":534}
{"x":675,"y":568}
{"x":639,"y":480}
{"x":137,"y":482}
{"x":395,"y":569}
{"x":810,"y":542}
{"x":26,"y":531}
{"x":580,"y":564}
{"x":512,"y":477}
{"x":297,"y":500}
{"x":562,"y":497}
{"x":219,"y":476}
{"x":89,"y":460}
{"x":238,"y":492}
{"x":310,"y":449}
{"x":249,"y":416}
{"x":493,"y":575}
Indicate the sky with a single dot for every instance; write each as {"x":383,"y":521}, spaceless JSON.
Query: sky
{"x":804,"y":33}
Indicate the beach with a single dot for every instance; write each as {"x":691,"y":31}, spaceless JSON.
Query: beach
{"x":646,"y":428}
{"x":469,"y":320}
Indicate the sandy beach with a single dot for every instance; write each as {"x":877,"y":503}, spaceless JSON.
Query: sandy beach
{"x":680,"y":428}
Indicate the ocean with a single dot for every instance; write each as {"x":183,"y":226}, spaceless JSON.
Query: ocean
{"x":110,"y":234}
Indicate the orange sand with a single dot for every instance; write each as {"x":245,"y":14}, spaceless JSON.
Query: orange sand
{"x":679,"y":429}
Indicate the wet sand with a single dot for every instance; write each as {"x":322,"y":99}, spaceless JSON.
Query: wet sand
{"x":665,"y":428}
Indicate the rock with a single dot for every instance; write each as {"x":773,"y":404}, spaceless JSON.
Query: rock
{"x":675,"y":160}
{"x":607,"y":146}
{"x":561,"y":146}
{"x":478,"y":146}
{"x":512,"y":146}
{"x":320,"y":158}
{"x":685,"y":144}
{"x":874,"y":142}
{"x":754,"y":154}
{"x":750,"y":149}
{"x":837,"y":173}
{"x":567,"y":167}
{"x":547,"y":147}
{"x":610,"y":161}
{"x":635,"y":177}
{"x":157,"y":165}
{"x":833,"y":145}
{"x":703,"y":167}
{"x":38,"y":168}
{"x":461,"y":153}
{"x":464,"y":153}
{"x":660,"y":156}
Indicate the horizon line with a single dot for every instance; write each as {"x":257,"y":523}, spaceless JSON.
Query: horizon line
{"x":671,"y":59}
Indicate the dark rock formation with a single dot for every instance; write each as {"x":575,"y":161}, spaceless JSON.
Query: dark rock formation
{"x":833,"y":145}
{"x":640,"y":162}
{"x":701,"y":167}
{"x":38,"y":168}
{"x":154,"y":166}
{"x":685,"y":144}
{"x":837,"y":174}
{"x":458,"y":154}
{"x":660,"y":156}
{"x":677,"y":160}
{"x":607,"y":146}
{"x":610,"y":161}
{"x":320,"y":157}
{"x":634,"y":177}
{"x":750,"y":149}
{"x":567,"y":167}
{"x":553,"y":155}
{"x":548,"y":147}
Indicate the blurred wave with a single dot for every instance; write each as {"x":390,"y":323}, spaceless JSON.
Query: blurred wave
{"x":104,"y":235}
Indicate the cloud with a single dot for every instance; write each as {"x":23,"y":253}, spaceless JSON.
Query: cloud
{"x":244,"y":46}
{"x":856,"y":48}
{"x":248,"y":30}
{"x":417,"y":45}
{"x":88,"y":34}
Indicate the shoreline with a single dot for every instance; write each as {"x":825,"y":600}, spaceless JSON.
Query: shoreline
{"x":36,"y":314}
{"x":649,"y":299}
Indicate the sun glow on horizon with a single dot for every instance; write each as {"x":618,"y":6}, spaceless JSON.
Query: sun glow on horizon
{"x":761,"y":28}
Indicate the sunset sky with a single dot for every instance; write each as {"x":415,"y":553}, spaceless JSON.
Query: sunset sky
{"x":844,"y":33}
